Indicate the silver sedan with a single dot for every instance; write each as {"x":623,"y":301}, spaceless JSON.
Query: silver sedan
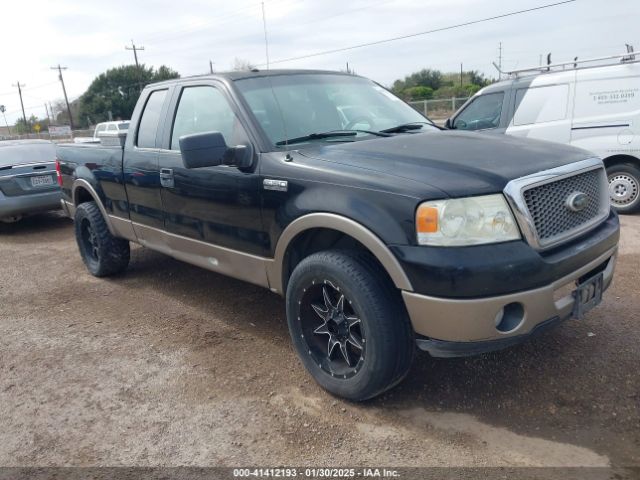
{"x":27,"y":178}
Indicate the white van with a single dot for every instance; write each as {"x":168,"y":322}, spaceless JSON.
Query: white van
{"x":592,"y":107}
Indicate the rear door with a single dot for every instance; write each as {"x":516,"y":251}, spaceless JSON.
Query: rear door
{"x":141,"y":173}
{"x":219,"y":205}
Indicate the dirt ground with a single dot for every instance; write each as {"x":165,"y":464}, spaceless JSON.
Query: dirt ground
{"x":168,"y":364}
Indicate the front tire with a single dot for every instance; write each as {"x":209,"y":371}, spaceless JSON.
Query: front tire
{"x":102,"y":253}
{"x":624,"y":187}
{"x":348,"y":324}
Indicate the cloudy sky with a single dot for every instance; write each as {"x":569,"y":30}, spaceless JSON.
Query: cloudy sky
{"x":89,"y":37}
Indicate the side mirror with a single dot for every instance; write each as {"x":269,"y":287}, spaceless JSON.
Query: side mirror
{"x":203,"y":149}
{"x":209,"y":149}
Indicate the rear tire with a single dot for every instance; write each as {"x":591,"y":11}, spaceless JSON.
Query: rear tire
{"x":102,"y":253}
{"x":624,"y":187}
{"x":326,"y":330}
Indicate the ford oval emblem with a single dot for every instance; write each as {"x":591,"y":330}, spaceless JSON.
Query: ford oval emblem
{"x":577,"y":201}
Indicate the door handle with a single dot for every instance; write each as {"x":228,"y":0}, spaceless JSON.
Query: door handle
{"x":166,"y":177}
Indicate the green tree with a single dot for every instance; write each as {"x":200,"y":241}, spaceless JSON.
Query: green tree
{"x":117,"y":91}
{"x":441,"y":85}
{"x":423,"y":78}
{"x":418,"y":93}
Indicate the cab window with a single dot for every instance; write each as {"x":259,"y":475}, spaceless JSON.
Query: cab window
{"x":205,"y":109}
{"x":148,"y":127}
{"x":482,"y":113}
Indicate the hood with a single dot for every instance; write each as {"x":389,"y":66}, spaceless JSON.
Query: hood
{"x":458,"y":163}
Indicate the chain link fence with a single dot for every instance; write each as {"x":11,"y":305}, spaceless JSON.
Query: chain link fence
{"x":439,"y":109}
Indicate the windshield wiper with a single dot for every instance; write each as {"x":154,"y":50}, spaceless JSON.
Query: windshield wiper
{"x":405,"y":127}
{"x":331,"y":134}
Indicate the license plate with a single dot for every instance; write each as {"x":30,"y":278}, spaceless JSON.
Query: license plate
{"x":587,"y":295}
{"x":41,"y":181}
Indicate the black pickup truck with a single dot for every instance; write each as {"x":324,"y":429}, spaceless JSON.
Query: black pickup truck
{"x":382,"y":231}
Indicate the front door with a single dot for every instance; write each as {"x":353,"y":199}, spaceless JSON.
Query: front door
{"x":218,"y":205}
{"x":484,"y":113}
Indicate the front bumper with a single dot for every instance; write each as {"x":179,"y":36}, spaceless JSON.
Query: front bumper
{"x":23,"y":204}
{"x":471,"y":323}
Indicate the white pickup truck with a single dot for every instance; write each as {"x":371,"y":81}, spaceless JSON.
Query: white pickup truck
{"x":104,"y":128}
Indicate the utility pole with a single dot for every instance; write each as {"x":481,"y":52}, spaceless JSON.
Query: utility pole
{"x":47,"y":110}
{"x":210,"y":66}
{"x":135,"y":49}
{"x":266,"y":40}
{"x":460,"y":73}
{"x":64,"y":90}
{"x":24,"y":115}
{"x":500,"y":61}
{"x":2,"y":110}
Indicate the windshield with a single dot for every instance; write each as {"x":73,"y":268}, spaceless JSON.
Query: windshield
{"x":123,"y":126}
{"x":292,"y":106}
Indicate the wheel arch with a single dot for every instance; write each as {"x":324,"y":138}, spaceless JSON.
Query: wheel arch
{"x":621,"y":158}
{"x":82,"y":191}
{"x":298,"y":232}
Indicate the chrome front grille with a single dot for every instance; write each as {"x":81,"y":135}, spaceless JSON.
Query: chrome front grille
{"x":545,"y":203}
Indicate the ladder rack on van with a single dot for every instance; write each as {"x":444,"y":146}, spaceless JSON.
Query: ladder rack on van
{"x":624,"y":58}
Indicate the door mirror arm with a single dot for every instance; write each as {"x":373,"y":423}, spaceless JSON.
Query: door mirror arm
{"x":240,"y":156}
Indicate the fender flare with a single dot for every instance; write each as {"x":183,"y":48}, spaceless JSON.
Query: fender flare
{"x":82,"y":183}
{"x":342,"y":224}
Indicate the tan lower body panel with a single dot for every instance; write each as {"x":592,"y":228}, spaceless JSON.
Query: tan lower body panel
{"x":243,"y":266}
{"x":461,"y":320}
{"x":123,"y":228}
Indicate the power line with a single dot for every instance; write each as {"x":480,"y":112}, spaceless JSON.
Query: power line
{"x":2,"y":94}
{"x":163,"y":36}
{"x":28,"y":109}
{"x":427,"y":32}
{"x":206,"y":46}
{"x":64,"y":90}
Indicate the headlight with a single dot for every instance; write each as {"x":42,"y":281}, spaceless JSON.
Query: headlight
{"x":466,"y":221}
